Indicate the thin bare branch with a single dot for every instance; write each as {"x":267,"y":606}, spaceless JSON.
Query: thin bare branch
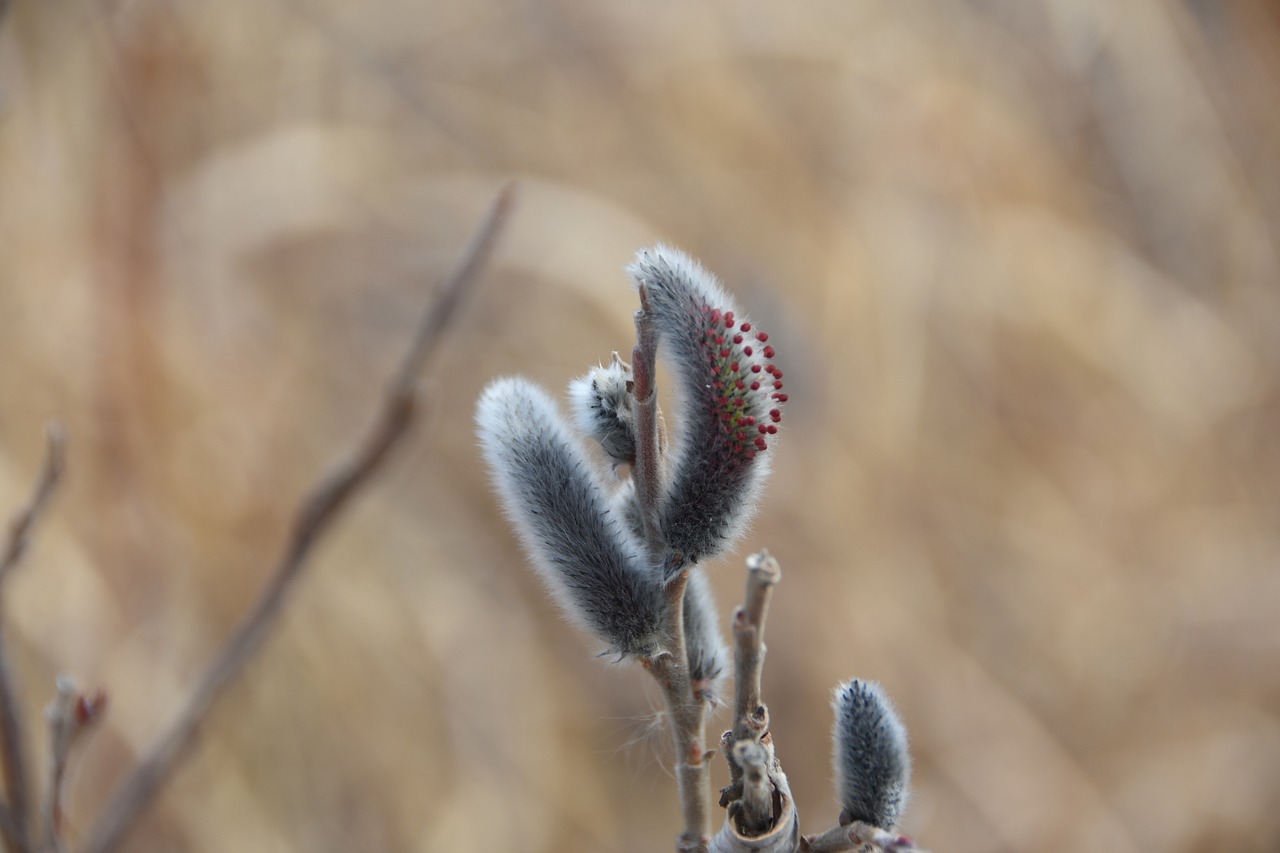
{"x":314,"y":518}
{"x":762,"y":815}
{"x":13,"y":760}
{"x":25,"y":521}
{"x":647,"y":473}
{"x":750,"y":716}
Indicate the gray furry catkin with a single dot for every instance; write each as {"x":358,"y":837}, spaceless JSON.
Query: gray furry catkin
{"x":704,"y":645}
{"x":593,"y":566}
{"x":873,"y":767}
{"x":729,"y":395}
{"x":602,"y":406}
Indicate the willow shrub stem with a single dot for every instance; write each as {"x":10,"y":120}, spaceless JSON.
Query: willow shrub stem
{"x":314,"y":517}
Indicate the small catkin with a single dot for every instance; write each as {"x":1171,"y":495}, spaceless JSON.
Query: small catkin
{"x":872,"y":764}
{"x":602,"y":407}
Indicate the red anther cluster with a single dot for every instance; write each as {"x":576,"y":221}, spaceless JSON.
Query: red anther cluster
{"x":738,"y":393}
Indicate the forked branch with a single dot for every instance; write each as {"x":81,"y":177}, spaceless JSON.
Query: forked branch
{"x":314,"y":517}
{"x":15,"y":814}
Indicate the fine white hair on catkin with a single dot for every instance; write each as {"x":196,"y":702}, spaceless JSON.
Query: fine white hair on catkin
{"x":872,"y":764}
{"x":590,"y":562}
{"x":728,"y":396}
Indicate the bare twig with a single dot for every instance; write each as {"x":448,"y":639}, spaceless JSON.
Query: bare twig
{"x":313,"y":519}
{"x":16,"y":823}
{"x":762,"y":815}
{"x":688,"y":725}
{"x":750,"y":716}
{"x":27,"y":518}
{"x":70,"y":716}
{"x":647,"y":473}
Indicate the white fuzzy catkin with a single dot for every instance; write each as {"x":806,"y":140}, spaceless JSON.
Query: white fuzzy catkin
{"x":728,"y":396}
{"x":872,"y":764}
{"x":602,"y":408}
{"x":593,"y":566}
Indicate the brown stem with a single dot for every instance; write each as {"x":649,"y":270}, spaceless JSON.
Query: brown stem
{"x":647,"y":473}
{"x":750,"y":716}
{"x":13,"y":761}
{"x":762,"y":815}
{"x":25,"y":521}
{"x":314,"y":518}
{"x":688,"y":716}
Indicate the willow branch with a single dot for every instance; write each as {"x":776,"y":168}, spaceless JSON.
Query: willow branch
{"x":688,"y":716}
{"x":22,"y":525}
{"x":647,"y":472}
{"x":750,"y":716}
{"x":762,"y":816}
{"x":16,"y":824}
{"x":314,"y":518}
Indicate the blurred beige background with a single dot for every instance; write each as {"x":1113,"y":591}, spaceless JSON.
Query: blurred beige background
{"x":1020,"y":263}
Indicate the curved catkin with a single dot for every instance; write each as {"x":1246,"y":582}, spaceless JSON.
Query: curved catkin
{"x":591,"y":564}
{"x":872,"y":764}
{"x":729,"y":396}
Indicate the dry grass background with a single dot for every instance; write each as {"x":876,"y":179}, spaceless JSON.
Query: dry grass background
{"x":1020,"y":260}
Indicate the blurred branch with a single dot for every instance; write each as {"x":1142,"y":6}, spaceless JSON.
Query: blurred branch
{"x":15,"y":819}
{"x":70,"y":716}
{"x":314,"y":518}
{"x":27,"y":518}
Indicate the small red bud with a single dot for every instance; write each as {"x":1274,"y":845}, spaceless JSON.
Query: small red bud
{"x":762,"y":336}
{"x":768,"y":352}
